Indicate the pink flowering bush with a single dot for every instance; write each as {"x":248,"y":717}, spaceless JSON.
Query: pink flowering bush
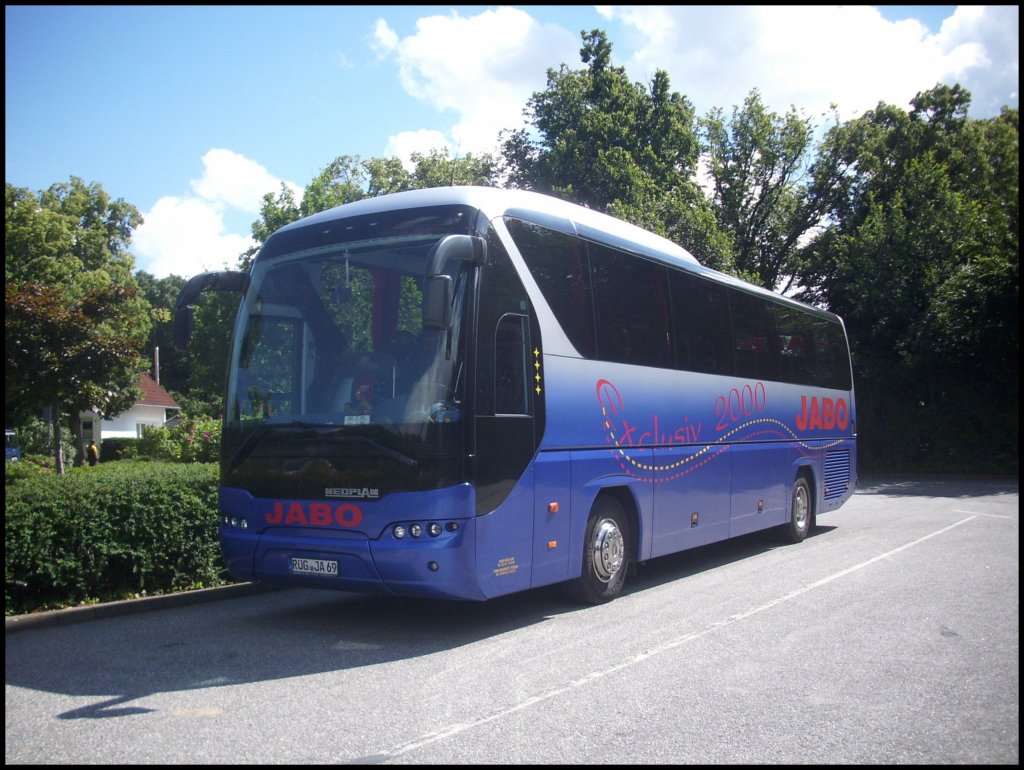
{"x":191,"y":440}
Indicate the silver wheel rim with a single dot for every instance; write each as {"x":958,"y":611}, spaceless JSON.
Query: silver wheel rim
{"x":801,"y":507}
{"x":608,"y":550}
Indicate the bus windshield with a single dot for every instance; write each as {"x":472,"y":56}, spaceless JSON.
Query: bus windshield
{"x":334,"y":383}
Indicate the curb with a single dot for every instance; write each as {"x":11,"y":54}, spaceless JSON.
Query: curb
{"x":72,"y":615}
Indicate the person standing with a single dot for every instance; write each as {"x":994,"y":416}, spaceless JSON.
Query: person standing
{"x":92,"y":453}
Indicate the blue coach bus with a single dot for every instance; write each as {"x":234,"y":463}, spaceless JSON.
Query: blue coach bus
{"x":12,"y":450}
{"x":465,"y":392}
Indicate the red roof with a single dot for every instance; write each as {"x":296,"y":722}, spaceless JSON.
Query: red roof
{"x":153,"y":394}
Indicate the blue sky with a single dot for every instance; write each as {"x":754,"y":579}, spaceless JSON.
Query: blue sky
{"x":192,"y":113}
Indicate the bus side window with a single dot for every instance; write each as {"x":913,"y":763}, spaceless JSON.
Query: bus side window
{"x":631,"y":307}
{"x":755,"y":337}
{"x":511,"y":365}
{"x":832,"y":363}
{"x":795,"y":350}
{"x":700,"y":313}
{"x":559,"y":265}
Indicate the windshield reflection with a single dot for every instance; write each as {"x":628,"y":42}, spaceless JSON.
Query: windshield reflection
{"x":331,"y":363}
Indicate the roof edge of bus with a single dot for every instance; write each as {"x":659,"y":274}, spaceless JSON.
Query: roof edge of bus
{"x":495,"y":201}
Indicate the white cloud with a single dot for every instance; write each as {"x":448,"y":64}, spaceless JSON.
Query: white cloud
{"x":233,"y":181}
{"x":184,"y":237}
{"x":187,"y":235}
{"x":403,"y":144}
{"x":812,"y":56}
{"x":982,"y":47}
{"x":484,"y":68}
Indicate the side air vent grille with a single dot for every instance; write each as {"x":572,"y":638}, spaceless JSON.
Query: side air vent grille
{"x":837,"y":474}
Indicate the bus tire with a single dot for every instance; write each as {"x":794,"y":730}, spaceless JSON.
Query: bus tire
{"x":605,"y":554}
{"x":801,"y":512}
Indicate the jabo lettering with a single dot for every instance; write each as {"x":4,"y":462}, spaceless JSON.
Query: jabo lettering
{"x":317,"y":515}
{"x":826,"y":414}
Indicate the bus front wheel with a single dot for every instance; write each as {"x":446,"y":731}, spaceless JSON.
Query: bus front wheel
{"x":800,"y":513}
{"x":605,"y":554}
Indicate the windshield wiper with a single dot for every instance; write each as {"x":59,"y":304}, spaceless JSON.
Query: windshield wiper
{"x":250,"y":441}
{"x":394,"y":454}
{"x":321,"y":430}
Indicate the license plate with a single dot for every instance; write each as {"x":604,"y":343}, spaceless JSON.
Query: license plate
{"x":313,"y":567}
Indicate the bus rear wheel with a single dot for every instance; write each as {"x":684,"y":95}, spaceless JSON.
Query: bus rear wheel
{"x":605,"y":554}
{"x":800,"y":512}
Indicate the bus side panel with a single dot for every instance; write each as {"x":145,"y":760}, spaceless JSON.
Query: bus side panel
{"x":504,"y":543}
{"x":761,"y":475}
{"x":691,"y":505}
{"x":551,"y":518}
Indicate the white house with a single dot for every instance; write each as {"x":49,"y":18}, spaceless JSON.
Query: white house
{"x":154,"y":409}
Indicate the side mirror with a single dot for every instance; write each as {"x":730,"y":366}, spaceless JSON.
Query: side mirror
{"x":437,"y":302}
{"x":224,"y":280}
{"x":182,"y":329}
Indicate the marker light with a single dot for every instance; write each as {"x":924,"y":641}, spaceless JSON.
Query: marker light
{"x":415,"y":530}
{"x":434,"y":529}
{"x":398,"y":531}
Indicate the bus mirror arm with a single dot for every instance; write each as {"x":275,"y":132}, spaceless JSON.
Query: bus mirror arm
{"x":224,"y":280}
{"x":458,"y":248}
{"x":437,"y":288}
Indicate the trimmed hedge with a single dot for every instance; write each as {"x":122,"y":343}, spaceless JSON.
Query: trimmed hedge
{"x":114,"y":531}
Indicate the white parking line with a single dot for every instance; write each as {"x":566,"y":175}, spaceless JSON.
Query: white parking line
{"x":975,"y":513}
{"x":458,"y":727}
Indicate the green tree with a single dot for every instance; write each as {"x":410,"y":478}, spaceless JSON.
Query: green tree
{"x":75,"y":322}
{"x":202,"y":392}
{"x":162,"y":295}
{"x":921,"y":259}
{"x":756,"y":162}
{"x":438,"y":169}
{"x":71,"y":352}
{"x":596,"y":138}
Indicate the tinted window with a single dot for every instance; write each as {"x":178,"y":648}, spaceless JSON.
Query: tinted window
{"x":504,"y":329}
{"x":796,"y":346}
{"x":616,"y":306}
{"x":755,"y":337}
{"x":630,"y":307}
{"x":558,"y":264}
{"x":832,"y":363}
{"x":700,"y":310}
{"x":511,"y":365}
